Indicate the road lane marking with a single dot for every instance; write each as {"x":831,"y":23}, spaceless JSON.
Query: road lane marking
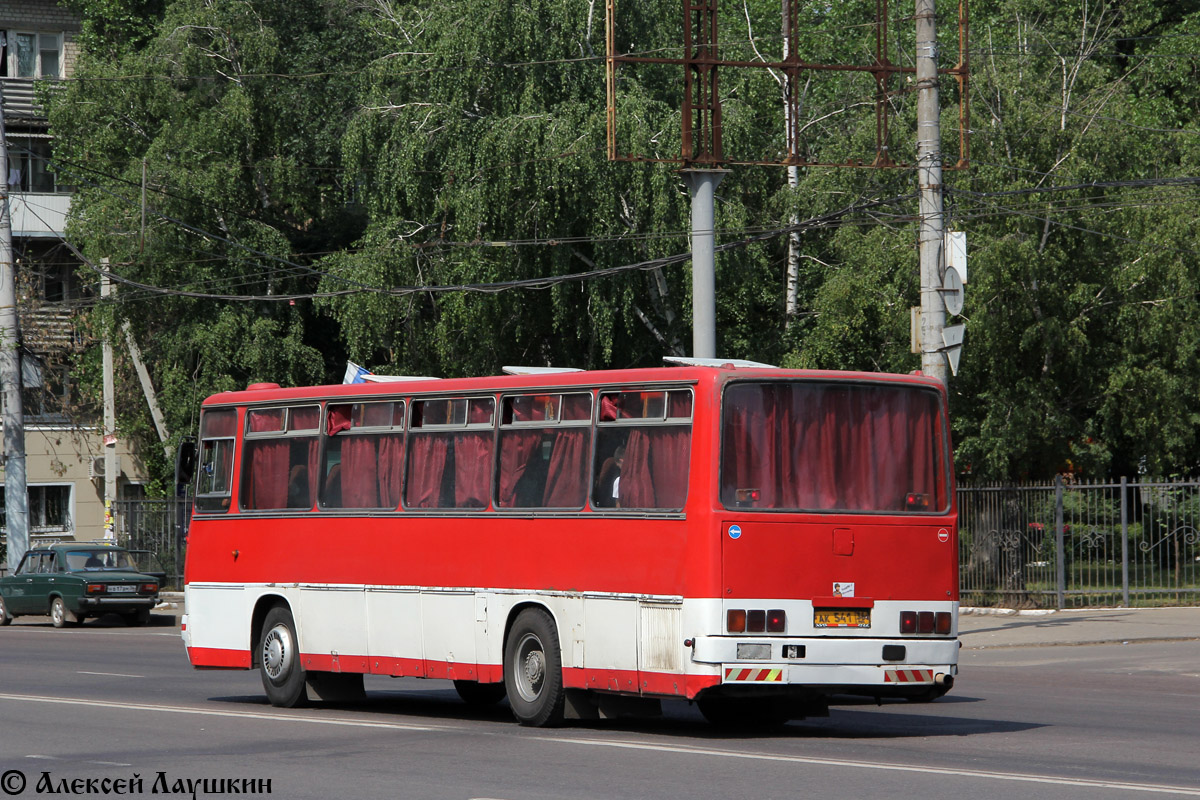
{"x":833,"y":762}
{"x":212,"y":712}
{"x":109,"y":674}
{"x":706,"y":752}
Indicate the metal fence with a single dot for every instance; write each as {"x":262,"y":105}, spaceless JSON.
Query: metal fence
{"x":1078,"y":544}
{"x":1059,"y":545}
{"x":157,"y":526}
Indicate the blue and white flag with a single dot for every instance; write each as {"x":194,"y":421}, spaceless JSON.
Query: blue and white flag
{"x":355,"y":373}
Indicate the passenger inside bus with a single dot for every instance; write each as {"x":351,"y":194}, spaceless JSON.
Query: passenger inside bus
{"x":608,"y":483}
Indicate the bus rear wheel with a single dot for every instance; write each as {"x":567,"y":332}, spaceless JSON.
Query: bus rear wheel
{"x":279,"y":660}
{"x":533,"y":670}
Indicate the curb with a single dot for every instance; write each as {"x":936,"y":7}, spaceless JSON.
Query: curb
{"x":1006,"y":612}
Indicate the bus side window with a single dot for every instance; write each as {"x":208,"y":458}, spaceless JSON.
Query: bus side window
{"x":363,"y":455}
{"x":214,"y":472}
{"x":279,"y":458}
{"x":450,"y":453}
{"x":643,"y":448}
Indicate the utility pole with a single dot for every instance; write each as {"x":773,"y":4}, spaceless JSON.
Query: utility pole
{"x":702,"y":183}
{"x":15,"y":491}
{"x":110,"y":414}
{"x":929,"y":181}
{"x":791,"y":109}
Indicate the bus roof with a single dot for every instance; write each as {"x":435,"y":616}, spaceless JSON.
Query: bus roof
{"x":269,"y":392}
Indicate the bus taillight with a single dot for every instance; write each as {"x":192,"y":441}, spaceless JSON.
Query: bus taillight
{"x":735,"y":621}
{"x":776,"y":621}
{"x":926,"y":622}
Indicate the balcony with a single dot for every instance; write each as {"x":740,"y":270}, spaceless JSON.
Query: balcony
{"x":51,"y":328}
{"x":35,"y":214}
{"x":20,"y":101}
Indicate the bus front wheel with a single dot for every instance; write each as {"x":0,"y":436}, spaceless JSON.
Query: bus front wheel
{"x":533,"y":670}
{"x":279,"y":660}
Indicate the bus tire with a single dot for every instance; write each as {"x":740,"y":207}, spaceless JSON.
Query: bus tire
{"x":279,"y":660}
{"x":533,"y":670}
{"x":480,"y":695}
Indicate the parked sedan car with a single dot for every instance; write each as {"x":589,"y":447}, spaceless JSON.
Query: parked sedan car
{"x":71,"y":582}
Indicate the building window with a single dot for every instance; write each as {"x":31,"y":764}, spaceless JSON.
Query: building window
{"x":49,"y":508}
{"x":33,"y":55}
{"x":29,"y":165}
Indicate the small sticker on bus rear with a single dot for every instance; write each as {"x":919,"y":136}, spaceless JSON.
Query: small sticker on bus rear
{"x":735,"y":531}
{"x":843,"y":589}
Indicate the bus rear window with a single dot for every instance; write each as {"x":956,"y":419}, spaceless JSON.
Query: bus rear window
{"x":809,"y":446}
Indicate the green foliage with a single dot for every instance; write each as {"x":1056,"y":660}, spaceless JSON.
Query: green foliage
{"x":348,"y":150}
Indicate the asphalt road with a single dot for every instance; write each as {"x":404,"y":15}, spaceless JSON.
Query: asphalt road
{"x":109,"y":702}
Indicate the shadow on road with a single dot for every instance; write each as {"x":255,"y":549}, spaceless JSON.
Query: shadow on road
{"x":853,"y":718}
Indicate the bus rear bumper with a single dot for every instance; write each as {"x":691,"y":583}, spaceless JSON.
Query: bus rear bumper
{"x":816,"y":661}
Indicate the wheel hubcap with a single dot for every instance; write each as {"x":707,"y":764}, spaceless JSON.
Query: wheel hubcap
{"x":277,"y":653}
{"x":57,"y":612}
{"x":530,"y":668}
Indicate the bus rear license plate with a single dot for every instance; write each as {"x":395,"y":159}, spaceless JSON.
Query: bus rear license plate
{"x":841,"y":617}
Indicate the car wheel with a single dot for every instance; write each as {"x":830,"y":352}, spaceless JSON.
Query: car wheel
{"x":5,"y":617}
{"x":479,"y":694}
{"x":279,"y":660}
{"x":533,"y":670}
{"x":59,"y":615}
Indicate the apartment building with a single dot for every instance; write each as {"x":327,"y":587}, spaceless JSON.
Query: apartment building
{"x":64,"y":442}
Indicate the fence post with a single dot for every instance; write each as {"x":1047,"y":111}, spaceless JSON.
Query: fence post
{"x":1124,"y":545}
{"x":1059,"y":549}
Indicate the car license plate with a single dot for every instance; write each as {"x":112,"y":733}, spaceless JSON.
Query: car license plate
{"x":121,"y":588}
{"x":841,"y":617}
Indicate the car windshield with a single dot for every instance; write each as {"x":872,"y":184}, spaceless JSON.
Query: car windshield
{"x":99,"y":559}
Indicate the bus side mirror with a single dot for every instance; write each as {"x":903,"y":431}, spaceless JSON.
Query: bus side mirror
{"x":185,"y":465}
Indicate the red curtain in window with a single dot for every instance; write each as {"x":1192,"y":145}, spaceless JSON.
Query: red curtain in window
{"x":338,"y":419}
{"x":749,"y":457}
{"x":267,"y":465}
{"x":426,"y":465}
{"x":566,"y":477}
{"x":360,"y":472}
{"x":391,"y":460}
{"x":516,"y":448}
{"x":831,"y":447}
{"x":313,"y":452}
{"x":655,"y":473}
{"x":472,"y":469}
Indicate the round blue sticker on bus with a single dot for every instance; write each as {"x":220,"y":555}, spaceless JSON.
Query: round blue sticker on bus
{"x":735,"y":531}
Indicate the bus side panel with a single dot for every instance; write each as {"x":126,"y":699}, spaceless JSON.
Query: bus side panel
{"x":218,"y":626}
{"x":330,"y":624}
{"x":394,"y":639}
{"x":448,"y":634}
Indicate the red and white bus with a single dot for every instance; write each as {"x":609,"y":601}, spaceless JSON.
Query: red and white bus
{"x":752,"y":539}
